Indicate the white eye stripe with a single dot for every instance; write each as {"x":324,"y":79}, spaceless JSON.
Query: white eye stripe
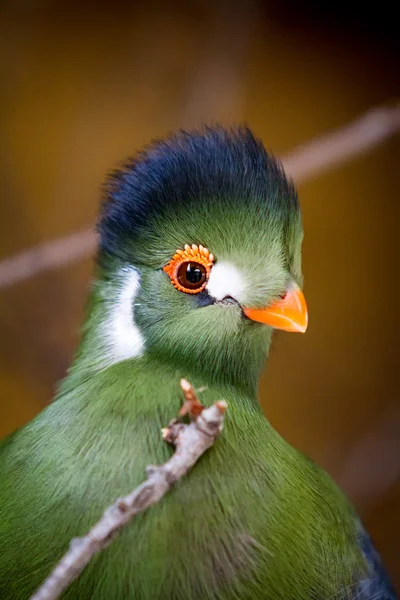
{"x":124,"y":339}
{"x":225,"y":280}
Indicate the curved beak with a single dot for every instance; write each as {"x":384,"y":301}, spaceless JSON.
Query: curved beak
{"x":288,"y":314}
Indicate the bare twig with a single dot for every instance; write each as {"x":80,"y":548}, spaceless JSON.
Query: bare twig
{"x":50,"y":255}
{"x":190,"y":441}
{"x":313,"y":157}
{"x":332,"y":149}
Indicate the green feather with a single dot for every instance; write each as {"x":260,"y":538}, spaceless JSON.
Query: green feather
{"x":254,"y":518}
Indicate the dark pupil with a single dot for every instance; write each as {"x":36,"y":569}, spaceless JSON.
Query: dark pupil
{"x":191,"y":275}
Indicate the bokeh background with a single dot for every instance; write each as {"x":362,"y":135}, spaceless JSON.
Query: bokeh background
{"x":85,"y":85}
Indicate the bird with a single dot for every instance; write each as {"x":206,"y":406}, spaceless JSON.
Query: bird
{"x":198,"y":263}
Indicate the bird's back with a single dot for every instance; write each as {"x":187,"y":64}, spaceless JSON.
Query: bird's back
{"x":377,"y":586}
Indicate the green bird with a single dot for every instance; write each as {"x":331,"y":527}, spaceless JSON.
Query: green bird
{"x":199,"y":261}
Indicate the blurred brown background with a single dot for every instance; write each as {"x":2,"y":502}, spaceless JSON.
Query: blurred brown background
{"x":84,"y":86}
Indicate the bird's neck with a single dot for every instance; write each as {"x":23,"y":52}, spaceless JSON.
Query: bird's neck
{"x":148,"y":387}
{"x":147,"y":384}
{"x":235,"y":367}
{"x":136,"y":399}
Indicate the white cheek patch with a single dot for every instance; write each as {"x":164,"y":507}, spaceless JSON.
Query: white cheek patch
{"x":225,"y":280}
{"x":124,"y":339}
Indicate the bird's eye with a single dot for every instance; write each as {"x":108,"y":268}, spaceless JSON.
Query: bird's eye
{"x":192,"y":275}
{"x":189,"y":269}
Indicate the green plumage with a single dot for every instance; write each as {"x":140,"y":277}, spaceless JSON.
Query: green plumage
{"x":255,"y":518}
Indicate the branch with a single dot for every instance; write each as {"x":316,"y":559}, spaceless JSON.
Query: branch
{"x":329,"y":150}
{"x":315,"y":156}
{"x":190,"y":441}
{"x":48,"y":256}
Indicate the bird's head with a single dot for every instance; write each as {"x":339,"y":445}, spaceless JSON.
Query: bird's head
{"x":200,"y":246}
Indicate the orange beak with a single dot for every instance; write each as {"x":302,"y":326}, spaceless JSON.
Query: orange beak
{"x":289,"y":314}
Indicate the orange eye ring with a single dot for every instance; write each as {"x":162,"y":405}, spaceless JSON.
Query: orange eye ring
{"x":199,"y":257}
